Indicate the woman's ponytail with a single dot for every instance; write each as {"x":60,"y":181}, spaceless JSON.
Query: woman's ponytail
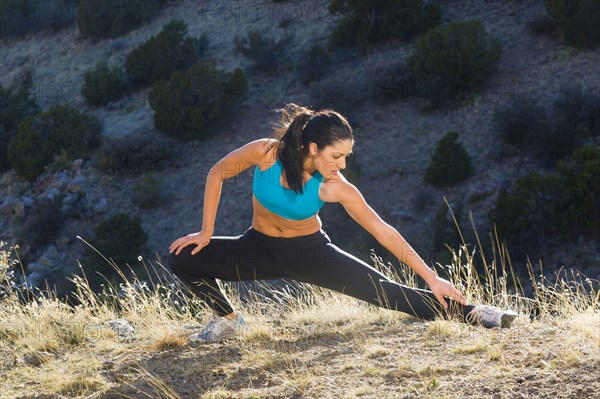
{"x":292,"y":148}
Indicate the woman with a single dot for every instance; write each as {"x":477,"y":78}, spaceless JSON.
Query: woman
{"x":295,"y":174}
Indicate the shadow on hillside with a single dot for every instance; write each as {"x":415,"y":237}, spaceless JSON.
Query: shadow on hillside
{"x":193,"y":369}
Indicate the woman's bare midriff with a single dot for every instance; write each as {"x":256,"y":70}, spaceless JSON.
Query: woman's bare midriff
{"x":274,"y":225}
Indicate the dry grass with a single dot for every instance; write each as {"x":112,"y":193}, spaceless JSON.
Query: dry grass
{"x":319,"y":344}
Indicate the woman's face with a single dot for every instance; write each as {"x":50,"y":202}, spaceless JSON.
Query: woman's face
{"x":333,"y":157}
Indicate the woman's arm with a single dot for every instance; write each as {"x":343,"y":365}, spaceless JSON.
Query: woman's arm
{"x":356,"y":206}
{"x":212,"y":196}
{"x":229,"y":166}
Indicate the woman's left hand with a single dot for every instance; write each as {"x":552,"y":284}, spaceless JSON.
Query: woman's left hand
{"x":443,"y":288}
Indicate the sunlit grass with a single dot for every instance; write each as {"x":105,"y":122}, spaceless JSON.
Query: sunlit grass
{"x":276,"y":352}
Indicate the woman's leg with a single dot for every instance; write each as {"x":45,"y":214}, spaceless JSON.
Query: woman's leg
{"x":330,"y":267}
{"x":233,"y":258}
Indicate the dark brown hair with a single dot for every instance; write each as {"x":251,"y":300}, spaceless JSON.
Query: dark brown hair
{"x":299,"y":126}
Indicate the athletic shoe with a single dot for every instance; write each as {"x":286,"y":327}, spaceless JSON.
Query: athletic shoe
{"x":491,"y":316}
{"x":219,"y":329}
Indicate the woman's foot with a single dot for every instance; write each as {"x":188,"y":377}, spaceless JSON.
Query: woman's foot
{"x":490,"y":316}
{"x":219,"y":328}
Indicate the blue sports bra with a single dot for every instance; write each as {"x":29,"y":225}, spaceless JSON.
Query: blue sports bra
{"x":283,"y":201}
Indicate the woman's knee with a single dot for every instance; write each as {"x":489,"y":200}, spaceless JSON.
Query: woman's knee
{"x":180,"y":263}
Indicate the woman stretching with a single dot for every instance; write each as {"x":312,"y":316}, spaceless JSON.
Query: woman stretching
{"x":297,"y":170}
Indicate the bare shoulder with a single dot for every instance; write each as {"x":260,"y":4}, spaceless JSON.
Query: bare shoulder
{"x":336,"y":188}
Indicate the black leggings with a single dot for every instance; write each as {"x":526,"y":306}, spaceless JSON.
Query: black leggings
{"x":310,"y":259}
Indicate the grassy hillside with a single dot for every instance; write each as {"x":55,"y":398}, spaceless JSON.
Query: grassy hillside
{"x":319,"y":344}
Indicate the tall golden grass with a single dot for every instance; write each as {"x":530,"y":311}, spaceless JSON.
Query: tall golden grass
{"x":160,"y":309}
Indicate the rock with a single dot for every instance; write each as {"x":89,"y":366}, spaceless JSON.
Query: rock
{"x":74,"y":188}
{"x":542,"y":364}
{"x":479,"y":193}
{"x":38,"y":358}
{"x":399,"y":374}
{"x":67,"y":210}
{"x":52,"y":253}
{"x":35,"y":279}
{"x":12,"y":206}
{"x":77,"y":163}
{"x":101,"y":206}
{"x":51,"y":193}
{"x":121,"y":327}
{"x":108,"y":365}
{"x":70,"y":199}
{"x":46,"y":261}
{"x":37,"y":267}
{"x":60,"y":183}
{"x":27,"y":201}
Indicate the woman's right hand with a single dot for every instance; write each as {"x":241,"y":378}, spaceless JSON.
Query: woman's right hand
{"x":200,"y":239}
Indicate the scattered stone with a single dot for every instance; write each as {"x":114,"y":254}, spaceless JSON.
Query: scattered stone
{"x":67,"y":210}
{"x":480,"y":193}
{"x":37,"y":267}
{"x":70,"y":199}
{"x":101,"y":206}
{"x":27,"y":201}
{"x":38,"y":358}
{"x":399,"y":374}
{"x":51,"y":193}
{"x":542,"y":364}
{"x":35,"y":279}
{"x":108,"y":365}
{"x":12,"y":206}
{"x":52,"y":253}
{"x":74,"y":188}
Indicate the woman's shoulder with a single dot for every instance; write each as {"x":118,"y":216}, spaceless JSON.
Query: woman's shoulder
{"x":268,"y":152}
{"x":333,"y":188}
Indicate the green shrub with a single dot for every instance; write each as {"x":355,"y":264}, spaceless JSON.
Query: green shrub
{"x":16,"y":104}
{"x":524,"y":214}
{"x":102,"y":84}
{"x":40,"y":138}
{"x":134,"y":154}
{"x":520,"y":121}
{"x":579,"y":109}
{"x":562,"y":204}
{"x":314,"y":63}
{"x":575,"y":119}
{"x":164,"y":53}
{"x":579,"y":210}
{"x":372,"y":21}
{"x":188,"y":103}
{"x":264,"y":52}
{"x":450,"y":162}
{"x":448,"y":59}
{"x":343,"y":34}
{"x":111,"y":18}
{"x":20,"y":17}
{"x":120,"y":238}
{"x":579,"y":20}
{"x":147,"y":192}
{"x":394,"y":83}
